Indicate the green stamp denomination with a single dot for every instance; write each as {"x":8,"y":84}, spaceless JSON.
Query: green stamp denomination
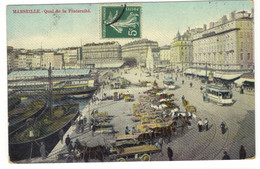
{"x":121,"y":21}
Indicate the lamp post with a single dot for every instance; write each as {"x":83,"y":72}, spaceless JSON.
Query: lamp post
{"x":206,"y":94}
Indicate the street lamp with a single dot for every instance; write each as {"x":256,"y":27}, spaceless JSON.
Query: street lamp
{"x":206,"y":94}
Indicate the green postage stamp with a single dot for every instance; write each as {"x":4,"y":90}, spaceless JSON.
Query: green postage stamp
{"x":121,"y":21}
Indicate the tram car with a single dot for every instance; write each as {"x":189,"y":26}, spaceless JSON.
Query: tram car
{"x":219,"y":94}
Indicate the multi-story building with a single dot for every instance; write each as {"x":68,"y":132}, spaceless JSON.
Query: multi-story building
{"x":181,"y":51}
{"x":135,"y":53}
{"x":24,"y":60}
{"x":227,"y":44}
{"x":153,"y":58}
{"x":94,"y":54}
{"x":165,"y":56}
{"x":36,"y":61}
{"x":165,"y":52}
{"x":10,"y":58}
{"x":71,"y":57}
{"x":55,"y":59}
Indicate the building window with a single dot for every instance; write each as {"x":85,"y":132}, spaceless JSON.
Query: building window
{"x":241,"y":56}
{"x":248,"y":56}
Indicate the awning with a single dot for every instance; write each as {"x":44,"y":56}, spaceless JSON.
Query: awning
{"x":240,"y":81}
{"x":227,"y":76}
{"x":115,"y":64}
{"x":188,"y":71}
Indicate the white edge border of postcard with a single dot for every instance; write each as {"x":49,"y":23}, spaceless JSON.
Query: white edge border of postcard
{"x":236,"y":164}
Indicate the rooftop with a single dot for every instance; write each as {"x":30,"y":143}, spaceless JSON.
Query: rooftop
{"x":44,"y":73}
{"x":100,"y":44}
{"x":139,"y":42}
{"x":165,"y":47}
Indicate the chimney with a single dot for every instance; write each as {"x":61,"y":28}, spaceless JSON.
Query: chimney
{"x":232,"y":15}
{"x":204,"y":27}
{"x":211,"y":24}
{"x":224,"y":19}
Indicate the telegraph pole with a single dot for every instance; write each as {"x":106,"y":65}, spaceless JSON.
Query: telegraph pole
{"x":206,"y":94}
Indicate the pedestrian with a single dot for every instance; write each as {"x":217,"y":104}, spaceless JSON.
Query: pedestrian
{"x":186,"y":115}
{"x":183,"y":98}
{"x":182,"y":81}
{"x":170,"y":153}
{"x":242,"y":152}
{"x":61,"y":134}
{"x":93,"y":129}
{"x":190,"y":84}
{"x":70,"y":147}
{"x":127,"y":131}
{"x":77,"y":126}
{"x":133,"y":130}
{"x":160,"y":142}
{"x":201,"y":88}
{"x":81,"y":123}
{"x":226,"y":156}
{"x":223,"y":127}
{"x":200,"y":124}
{"x":67,"y":140}
{"x":43,"y":150}
{"x":85,"y":120}
{"x":206,"y":123}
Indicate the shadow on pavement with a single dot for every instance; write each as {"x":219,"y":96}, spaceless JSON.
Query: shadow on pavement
{"x":245,"y":136}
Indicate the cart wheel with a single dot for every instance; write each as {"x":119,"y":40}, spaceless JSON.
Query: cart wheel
{"x":145,"y":157}
{"x":121,"y":160}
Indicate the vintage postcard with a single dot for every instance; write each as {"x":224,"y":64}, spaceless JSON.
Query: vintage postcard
{"x":128,"y":82}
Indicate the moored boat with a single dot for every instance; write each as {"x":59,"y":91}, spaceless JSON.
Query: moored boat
{"x":25,"y":142}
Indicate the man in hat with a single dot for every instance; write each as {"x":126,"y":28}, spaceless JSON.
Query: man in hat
{"x":242,"y":152}
{"x":170,"y":153}
{"x":206,"y":123}
{"x":67,"y":140}
{"x":43,"y":150}
{"x":226,"y":156}
{"x":200,"y":124}
{"x":127,"y":131}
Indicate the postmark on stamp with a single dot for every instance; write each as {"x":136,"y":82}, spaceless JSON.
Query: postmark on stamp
{"x":120,"y":21}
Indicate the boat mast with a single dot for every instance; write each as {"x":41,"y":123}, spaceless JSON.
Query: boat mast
{"x":50,"y":90}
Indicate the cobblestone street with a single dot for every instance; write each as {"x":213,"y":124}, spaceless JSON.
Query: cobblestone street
{"x":189,"y":145}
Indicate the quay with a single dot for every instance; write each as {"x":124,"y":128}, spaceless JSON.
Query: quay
{"x":189,"y":145}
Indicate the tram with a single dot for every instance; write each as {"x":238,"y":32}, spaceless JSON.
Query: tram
{"x":219,"y":94}
{"x":168,"y":83}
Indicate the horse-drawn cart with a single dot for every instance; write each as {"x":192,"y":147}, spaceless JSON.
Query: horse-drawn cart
{"x":141,"y":152}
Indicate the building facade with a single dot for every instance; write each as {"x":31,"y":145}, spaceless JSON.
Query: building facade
{"x":25,"y":61}
{"x":71,"y":57}
{"x":55,"y":59}
{"x":181,"y":51}
{"x":36,"y":61}
{"x":98,"y":53}
{"x":136,"y":51}
{"x":165,"y":53}
{"x":153,"y":58}
{"x":10,"y":58}
{"x":227,"y":44}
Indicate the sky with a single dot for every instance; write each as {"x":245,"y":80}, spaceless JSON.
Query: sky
{"x":159,"y":21}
